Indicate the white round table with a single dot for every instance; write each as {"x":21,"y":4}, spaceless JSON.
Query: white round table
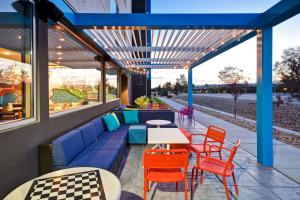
{"x":158,"y":122}
{"x":111,"y":184}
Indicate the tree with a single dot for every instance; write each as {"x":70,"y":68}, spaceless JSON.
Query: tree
{"x":181,"y":84}
{"x":232,"y":76}
{"x":289,"y":69}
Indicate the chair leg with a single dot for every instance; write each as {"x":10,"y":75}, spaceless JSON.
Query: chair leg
{"x":220,"y":155}
{"x":201,"y":176}
{"x":185,"y":189}
{"x":235,"y":185}
{"x":146,"y":187}
{"x":192,"y":181}
{"x":226,"y":188}
{"x":176,"y":186}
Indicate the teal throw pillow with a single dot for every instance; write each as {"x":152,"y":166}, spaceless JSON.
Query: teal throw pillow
{"x":110,"y":122}
{"x":131,"y":117}
{"x":116,"y":118}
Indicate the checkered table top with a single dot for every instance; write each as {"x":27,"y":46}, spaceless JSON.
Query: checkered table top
{"x":82,"y":185}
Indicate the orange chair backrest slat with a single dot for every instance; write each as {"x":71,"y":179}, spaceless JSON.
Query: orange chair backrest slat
{"x":232,"y":153}
{"x":168,"y":159}
{"x":216,"y":134}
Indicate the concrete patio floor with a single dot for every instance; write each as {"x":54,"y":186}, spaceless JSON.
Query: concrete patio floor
{"x":254,"y":181}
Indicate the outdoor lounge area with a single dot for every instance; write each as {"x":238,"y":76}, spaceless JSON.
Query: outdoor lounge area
{"x":99,"y":99}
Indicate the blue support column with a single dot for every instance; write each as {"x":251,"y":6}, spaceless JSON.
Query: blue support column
{"x":190,"y":87}
{"x":264,"y":97}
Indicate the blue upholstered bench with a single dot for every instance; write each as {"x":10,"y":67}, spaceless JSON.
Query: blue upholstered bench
{"x":137,"y":134}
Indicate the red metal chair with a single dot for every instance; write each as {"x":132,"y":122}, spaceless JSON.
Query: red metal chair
{"x":219,"y":167}
{"x":214,"y":136}
{"x":165,"y":166}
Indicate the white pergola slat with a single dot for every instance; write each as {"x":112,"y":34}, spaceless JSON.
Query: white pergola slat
{"x":168,"y":48}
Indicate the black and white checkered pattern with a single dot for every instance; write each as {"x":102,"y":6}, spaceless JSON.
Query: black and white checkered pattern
{"x":81,"y":186}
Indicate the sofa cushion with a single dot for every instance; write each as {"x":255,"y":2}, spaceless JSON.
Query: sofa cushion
{"x":120,"y":116}
{"x":131,"y":117}
{"x":95,"y":158}
{"x":120,"y":134}
{"x":99,"y":124}
{"x":104,"y":144}
{"x":89,"y":133}
{"x":145,"y":116}
{"x":66,"y":147}
{"x":165,"y":115}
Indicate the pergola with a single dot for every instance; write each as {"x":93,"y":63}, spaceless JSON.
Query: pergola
{"x":167,"y":41}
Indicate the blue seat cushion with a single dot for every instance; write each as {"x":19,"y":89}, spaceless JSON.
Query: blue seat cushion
{"x":104,"y":144}
{"x":95,"y":158}
{"x":99,"y":124}
{"x":89,"y":133}
{"x":66,"y":147}
{"x":120,"y":134}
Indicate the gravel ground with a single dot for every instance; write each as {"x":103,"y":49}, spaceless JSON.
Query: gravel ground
{"x":285,"y":116}
{"x":278,"y":135}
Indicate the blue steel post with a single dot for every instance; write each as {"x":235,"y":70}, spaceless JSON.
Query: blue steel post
{"x":190,"y":87}
{"x":264,"y":97}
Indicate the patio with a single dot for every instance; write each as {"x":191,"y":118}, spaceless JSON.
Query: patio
{"x":79,"y":74}
{"x":254,"y":180}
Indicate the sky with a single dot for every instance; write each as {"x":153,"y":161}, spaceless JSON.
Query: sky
{"x":243,"y":56}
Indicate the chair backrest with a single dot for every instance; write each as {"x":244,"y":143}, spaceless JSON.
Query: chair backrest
{"x":167,"y":159}
{"x":232,"y":153}
{"x":215,"y":134}
{"x":190,"y":110}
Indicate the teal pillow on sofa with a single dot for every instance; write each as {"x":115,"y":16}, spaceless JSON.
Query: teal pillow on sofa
{"x":110,"y":122}
{"x":131,"y":117}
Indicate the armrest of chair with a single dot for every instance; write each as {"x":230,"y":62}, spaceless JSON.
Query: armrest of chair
{"x":213,"y":159}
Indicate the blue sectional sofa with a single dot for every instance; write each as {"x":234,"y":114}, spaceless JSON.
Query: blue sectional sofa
{"x":91,"y":145}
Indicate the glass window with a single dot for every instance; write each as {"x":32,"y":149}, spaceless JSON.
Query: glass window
{"x":74,"y":73}
{"x":16,"y":62}
{"x":111,"y":82}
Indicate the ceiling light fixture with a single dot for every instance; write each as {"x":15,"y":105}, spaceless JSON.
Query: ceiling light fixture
{"x":59,"y":53}
{"x":62,"y":39}
{"x":19,"y":37}
{"x":59,"y":47}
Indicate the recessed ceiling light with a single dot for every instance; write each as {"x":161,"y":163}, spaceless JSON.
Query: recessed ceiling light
{"x":222,"y":43}
{"x":95,"y":39}
{"x":203,"y":54}
{"x":59,"y":53}
{"x":19,"y":37}
{"x":234,"y":35}
{"x":212,"y":49}
{"x":61,"y":39}
{"x":60,"y":58}
{"x":59,"y":47}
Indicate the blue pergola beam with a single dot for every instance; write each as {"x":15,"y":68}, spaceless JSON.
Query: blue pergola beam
{"x":224,"y":48}
{"x":167,"y":21}
{"x":280,"y":12}
{"x":264,"y":98}
{"x":190,"y":87}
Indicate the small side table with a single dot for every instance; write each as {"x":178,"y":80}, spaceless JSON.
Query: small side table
{"x":158,"y":122}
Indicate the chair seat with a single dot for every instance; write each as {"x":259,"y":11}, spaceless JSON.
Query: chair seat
{"x":199,"y":148}
{"x":165,"y":175}
{"x":214,"y":166}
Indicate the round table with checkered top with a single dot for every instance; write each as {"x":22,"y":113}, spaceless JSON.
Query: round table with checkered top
{"x":72,"y":183}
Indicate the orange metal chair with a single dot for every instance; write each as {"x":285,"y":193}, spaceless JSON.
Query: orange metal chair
{"x":214,"y":137}
{"x":219,"y":167}
{"x":165,"y":166}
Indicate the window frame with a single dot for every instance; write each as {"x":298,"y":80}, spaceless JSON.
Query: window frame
{"x":18,"y":123}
